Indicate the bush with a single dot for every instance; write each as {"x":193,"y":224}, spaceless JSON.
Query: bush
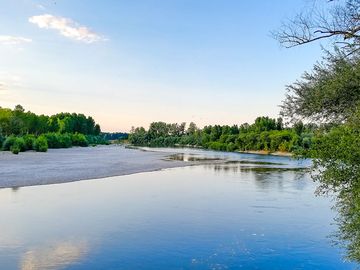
{"x":29,"y":141}
{"x":57,"y":140}
{"x":52,"y":140}
{"x":231,"y":147}
{"x":218,"y":146}
{"x":40,"y":144}
{"x":9,"y":141}
{"x":79,"y":139}
{"x":2,"y":139}
{"x":64,"y":140}
{"x":94,"y":140}
{"x":15,"y":149}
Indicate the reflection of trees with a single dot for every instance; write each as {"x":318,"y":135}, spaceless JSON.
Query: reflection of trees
{"x":265,"y":176}
{"x":15,"y":189}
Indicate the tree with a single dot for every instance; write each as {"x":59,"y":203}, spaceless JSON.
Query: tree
{"x":338,"y":20}
{"x":330,"y":93}
{"x":191,"y":129}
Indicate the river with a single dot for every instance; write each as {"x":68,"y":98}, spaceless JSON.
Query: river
{"x":248,"y":212}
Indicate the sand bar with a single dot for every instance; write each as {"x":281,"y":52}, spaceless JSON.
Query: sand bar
{"x":67,"y":165}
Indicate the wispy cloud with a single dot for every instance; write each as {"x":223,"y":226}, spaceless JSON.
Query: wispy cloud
{"x":10,"y":81}
{"x":66,"y":27}
{"x":13,"y":40}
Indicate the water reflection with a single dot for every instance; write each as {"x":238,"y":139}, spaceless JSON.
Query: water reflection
{"x":191,"y":157}
{"x":239,"y":167}
{"x":53,"y":256}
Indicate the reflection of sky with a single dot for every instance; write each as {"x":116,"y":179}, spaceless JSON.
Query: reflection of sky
{"x":190,"y":217}
{"x":53,"y":256}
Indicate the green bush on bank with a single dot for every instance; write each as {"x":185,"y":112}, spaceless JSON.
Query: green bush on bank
{"x":58,"y":140}
{"x":14,"y":144}
{"x":95,"y":140}
{"x":29,"y":140}
{"x":79,"y":139}
{"x":8,"y":142}
{"x":17,"y":144}
{"x":2,"y":139}
{"x":40,"y":144}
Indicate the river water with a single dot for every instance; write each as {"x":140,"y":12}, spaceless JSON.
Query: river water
{"x":249,"y":212}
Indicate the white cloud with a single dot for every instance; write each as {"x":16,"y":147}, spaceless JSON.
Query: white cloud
{"x":13,"y":40}
{"x":66,"y":27}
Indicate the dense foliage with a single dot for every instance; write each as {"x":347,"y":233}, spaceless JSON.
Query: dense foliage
{"x":114,"y":136}
{"x":265,"y":134}
{"x":22,"y":131}
{"x":18,"y":122}
{"x":329,"y":93}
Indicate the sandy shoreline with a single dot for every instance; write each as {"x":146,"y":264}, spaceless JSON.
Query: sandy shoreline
{"x":73,"y":164}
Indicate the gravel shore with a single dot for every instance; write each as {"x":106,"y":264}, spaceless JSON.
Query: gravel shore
{"x":67,"y":165}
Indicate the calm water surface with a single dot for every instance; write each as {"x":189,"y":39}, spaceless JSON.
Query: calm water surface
{"x":235,"y":215}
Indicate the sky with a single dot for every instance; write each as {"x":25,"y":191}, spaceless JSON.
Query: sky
{"x":129,"y":63}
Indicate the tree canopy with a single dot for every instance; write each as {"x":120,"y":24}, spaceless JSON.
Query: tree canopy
{"x":19,"y":122}
{"x":330,"y":92}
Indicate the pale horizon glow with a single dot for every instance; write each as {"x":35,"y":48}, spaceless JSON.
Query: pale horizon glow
{"x":135,"y":62}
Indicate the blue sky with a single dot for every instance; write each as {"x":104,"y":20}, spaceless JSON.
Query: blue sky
{"x":128,"y":63}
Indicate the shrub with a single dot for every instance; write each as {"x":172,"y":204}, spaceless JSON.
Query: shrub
{"x":40,"y":144}
{"x":17,"y":145}
{"x":52,"y":139}
{"x":29,"y":141}
{"x":2,"y":139}
{"x":94,"y":140}
{"x":231,"y":147}
{"x":15,"y":149}
{"x":57,"y":140}
{"x":79,"y":139}
{"x":218,"y":146}
{"x":64,"y":140}
{"x":9,"y":141}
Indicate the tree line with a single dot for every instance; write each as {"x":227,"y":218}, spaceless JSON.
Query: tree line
{"x":21,"y":130}
{"x":265,"y":134}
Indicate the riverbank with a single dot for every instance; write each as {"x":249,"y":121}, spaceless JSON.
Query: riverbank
{"x":79,"y":163}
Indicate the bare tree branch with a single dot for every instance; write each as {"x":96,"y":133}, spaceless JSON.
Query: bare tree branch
{"x":339,"y":22}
